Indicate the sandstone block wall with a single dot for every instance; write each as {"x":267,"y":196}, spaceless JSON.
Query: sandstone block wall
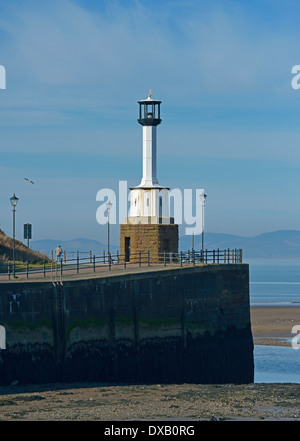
{"x":154,"y":238}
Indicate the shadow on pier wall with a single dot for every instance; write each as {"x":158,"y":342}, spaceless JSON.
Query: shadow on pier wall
{"x":187,"y":325}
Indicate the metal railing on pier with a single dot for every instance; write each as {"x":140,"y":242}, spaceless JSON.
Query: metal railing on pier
{"x":88,"y":262}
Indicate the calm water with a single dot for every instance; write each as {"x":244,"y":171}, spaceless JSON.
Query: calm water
{"x":276,"y":364}
{"x":275,"y":282}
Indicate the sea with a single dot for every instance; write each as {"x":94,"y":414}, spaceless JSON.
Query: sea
{"x":275,"y":282}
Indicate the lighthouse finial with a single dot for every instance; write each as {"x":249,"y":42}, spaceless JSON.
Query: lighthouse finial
{"x":150,"y":93}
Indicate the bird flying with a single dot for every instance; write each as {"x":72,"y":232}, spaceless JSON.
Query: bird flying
{"x":29,"y":181}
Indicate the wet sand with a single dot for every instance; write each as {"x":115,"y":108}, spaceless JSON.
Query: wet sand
{"x":273,"y":325}
{"x":179,"y":402}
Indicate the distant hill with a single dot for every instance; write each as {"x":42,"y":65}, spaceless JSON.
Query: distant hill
{"x":22,"y":253}
{"x":81,"y":244}
{"x":281,"y":243}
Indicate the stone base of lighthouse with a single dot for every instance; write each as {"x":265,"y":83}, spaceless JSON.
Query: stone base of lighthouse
{"x":153,"y":238}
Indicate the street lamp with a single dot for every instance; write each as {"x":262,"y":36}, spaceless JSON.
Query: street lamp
{"x":202,"y":199}
{"x":14,"y":201}
{"x":109,"y":205}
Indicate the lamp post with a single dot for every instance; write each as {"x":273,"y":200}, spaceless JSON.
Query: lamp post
{"x":14,"y":201}
{"x":202,"y":199}
{"x":109,"y":205}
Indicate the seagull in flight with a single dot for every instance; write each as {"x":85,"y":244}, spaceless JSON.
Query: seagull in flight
{"x":29,"y":181}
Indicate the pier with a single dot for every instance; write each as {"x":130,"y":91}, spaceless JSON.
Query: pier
{"x":148,"y":324}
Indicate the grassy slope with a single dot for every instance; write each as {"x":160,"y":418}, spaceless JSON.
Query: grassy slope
{"x":22,"y":253}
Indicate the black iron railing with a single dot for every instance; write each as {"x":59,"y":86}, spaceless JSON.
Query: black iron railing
{"x":87,"y":262}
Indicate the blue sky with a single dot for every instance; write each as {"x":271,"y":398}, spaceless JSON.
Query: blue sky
{"x":222,"y":69}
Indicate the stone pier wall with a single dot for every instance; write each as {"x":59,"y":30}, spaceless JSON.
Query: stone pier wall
{"x":162,"y":326}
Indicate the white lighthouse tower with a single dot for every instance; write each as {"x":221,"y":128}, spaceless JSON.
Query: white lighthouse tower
{"x":149,"y":201}
{"x":149,"y":227}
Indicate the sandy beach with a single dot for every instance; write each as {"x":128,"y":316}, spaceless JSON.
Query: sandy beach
{"x":175,"y":402}
{"x":272,"y":325}
{"x":182,"y":402}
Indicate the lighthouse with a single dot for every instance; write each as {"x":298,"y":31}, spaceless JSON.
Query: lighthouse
{"x":149,"y":227}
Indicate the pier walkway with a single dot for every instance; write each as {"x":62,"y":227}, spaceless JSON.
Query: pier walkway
{"x":101,"y":265}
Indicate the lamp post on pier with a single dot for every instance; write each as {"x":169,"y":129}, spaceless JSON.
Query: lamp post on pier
{"x":109,"y":205}
{"x":202,"y":199}
{"x":14,"y":201}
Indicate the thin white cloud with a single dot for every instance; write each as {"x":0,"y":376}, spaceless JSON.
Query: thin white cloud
{"x":62,"y":44}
